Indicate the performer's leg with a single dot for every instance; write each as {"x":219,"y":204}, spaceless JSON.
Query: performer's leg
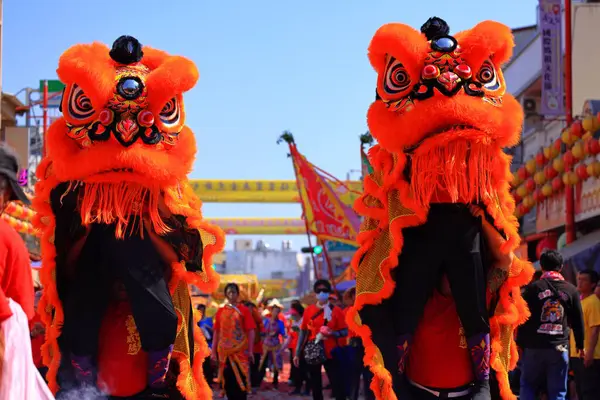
{"x":142,"y":273}
{"x":304,"y":376}
{"x":232,"y":387}
{"x":394,"y":322}
{"x":465,"y":271}
{"x":316,"y":381}
{"x":84,"y":308}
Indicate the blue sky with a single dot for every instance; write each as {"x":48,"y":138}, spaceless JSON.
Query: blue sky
{"x":265,"y":66}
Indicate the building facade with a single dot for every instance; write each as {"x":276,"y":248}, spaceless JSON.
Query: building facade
{"x":524,"y":79}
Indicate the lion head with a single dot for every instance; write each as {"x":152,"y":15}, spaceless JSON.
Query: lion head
{"x":123,"y":115}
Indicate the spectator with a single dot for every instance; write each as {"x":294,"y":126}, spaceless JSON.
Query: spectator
{"x":587,"y":370}
{"x":19,"y":378}
{"x":206,"y":326}
{"x":359,"y":370}
{"x":273,"y":334}
{"x":38,"y":331}
{"x":234,"y":332}
{"x":555,"y":306}
{"x":299,"y":374}
{"x":257,"y":349}
{"x":322,"y":326}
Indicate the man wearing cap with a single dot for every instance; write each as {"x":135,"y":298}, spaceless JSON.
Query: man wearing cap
{"x":19,"y":379}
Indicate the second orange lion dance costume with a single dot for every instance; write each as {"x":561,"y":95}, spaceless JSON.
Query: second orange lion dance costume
{"x":121,"y":225}
{"x":441,"y":117}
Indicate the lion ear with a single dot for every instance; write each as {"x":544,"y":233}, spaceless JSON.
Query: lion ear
{"x":402,"y":42}
{"x":174,"y":76}
{"x":90,"y":67}
{"x":486,"y":40}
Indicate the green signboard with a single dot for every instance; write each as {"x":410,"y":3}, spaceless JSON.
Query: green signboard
{"x":54,"y":86}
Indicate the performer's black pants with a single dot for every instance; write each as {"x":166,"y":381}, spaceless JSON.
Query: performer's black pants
{"x":299,"y":374}
{"x":451,"y":243}
{"x":233,"y":391}
{"x":256,"y":376}
{"x":133,"y":261}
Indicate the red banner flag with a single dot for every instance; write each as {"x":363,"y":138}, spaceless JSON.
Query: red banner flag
{"x":328,"y":217}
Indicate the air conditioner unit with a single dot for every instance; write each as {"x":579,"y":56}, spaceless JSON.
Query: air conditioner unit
{"x":530,"y":105}
{"x":242,"y":244}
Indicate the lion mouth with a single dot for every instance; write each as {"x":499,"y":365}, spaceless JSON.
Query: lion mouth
{"x":440,"y":131}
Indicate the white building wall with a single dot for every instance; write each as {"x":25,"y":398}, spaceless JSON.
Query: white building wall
{"x":269,"y":264}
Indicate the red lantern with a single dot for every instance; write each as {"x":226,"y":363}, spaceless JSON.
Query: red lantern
{"x":516,"y":197}
{"x":568,"y":159}
{"x":576,"y":129}
{"x":547,"y":243}
{"x":538,"y":196}
{"x":550,"y":172}
{"x":582,"y":172}
{"x":522,"y":173}
{"x":530,"y":185}
{"x":593,"y":146}
{"x":557,"y":184}
{"x":556,"y":147}
{"x":540,"y":159}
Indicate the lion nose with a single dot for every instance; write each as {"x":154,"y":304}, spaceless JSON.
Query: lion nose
{"x":449,"y":80}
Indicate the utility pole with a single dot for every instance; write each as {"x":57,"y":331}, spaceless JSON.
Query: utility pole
{"x":569,"y":189}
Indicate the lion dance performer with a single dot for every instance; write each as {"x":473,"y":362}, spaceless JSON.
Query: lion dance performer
{"x":440,"y":182}
{"x":121,"y":225}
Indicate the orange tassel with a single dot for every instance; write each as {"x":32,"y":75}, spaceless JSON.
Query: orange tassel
{"x":121,"y":203}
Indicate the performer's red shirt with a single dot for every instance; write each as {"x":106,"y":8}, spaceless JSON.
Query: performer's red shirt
{"x":16,"y":281}
{"x":439,"y":356}
{"x":312,"y":325}
{"x":248,"y":320}
{"x":257,"y":348}
{"x":122,"y":364}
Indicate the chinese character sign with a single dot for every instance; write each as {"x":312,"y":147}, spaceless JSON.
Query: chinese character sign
{"x":552,"y":58}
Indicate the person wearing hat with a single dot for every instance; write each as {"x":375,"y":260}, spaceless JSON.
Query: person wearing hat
{"x":274,"y":332}
{"x":15,"y":273}
{"x":19,"y":378}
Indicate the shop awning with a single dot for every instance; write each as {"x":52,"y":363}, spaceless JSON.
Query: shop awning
{"x":582,"y":245}
{"x":583,"y":253}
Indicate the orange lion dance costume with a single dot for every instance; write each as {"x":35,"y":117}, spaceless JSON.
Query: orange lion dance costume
{"x":122,"y":231}
{"x":440,"y":185}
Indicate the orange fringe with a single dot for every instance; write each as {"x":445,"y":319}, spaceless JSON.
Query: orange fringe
{"x":120,"y":203}
{"x":491,"y":165}
{"x":179,"y":199}
{"x":460,"y":168}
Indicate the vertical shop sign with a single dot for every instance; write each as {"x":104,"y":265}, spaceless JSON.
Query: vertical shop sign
{"x":553,"y":97}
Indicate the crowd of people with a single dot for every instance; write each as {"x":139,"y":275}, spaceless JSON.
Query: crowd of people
{"x":559,"y":342}
{"x":248,"y":340}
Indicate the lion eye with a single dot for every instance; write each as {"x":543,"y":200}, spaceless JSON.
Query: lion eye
{"x":397,"y":79}
{"x":79,"y":105}
{"x":488,"y":77}
{"x":169,"y":115}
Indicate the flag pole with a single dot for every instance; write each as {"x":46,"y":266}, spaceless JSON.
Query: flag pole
{"x":329,"y":267}
{"x":305,"y":218}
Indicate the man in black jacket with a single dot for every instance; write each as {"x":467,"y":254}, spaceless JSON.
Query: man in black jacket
{"x":555,"y":306}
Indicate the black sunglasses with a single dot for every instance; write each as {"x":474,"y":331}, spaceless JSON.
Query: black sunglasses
{"x":321,"y":290}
